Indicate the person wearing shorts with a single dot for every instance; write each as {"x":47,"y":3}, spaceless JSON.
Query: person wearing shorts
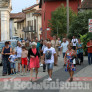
{"x":64,"y":47}
{"x":49,"y":54}
{"x":24,"y":60}
{"x":12,"y":65}
{"x":50,"y":66}
{"x":18,"y":53}
{"x":12,"y":59}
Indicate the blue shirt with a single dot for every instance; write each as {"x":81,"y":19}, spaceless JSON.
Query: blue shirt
{"x":79,"y":50}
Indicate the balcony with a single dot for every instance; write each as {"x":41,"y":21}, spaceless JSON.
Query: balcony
{"x":29,"y":29}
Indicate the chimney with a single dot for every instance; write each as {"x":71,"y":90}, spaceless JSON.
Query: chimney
{"x":37,"y":1}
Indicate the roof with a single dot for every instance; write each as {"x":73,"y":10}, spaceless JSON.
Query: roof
{"x":38,"y":12}
{"x":86,"y":4}
{"x":19,"y":15}
{"x":20,"y":20}
{"x":29,"y":8}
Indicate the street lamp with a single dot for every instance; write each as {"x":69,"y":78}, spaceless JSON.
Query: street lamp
{"x":67,"y":16}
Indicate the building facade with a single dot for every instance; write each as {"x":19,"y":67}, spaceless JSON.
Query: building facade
{"x":48,"y":6}
{"x":85,"y":5}
{"x":33,"y":22}
{"x":21,"y":24}
{"x":17,"y":23}
{"x":5,"y":9}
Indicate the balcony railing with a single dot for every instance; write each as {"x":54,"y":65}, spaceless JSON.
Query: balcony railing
{"x":29,"y":29}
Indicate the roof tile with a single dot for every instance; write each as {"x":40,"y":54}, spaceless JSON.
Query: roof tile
{"x":86,"y":4}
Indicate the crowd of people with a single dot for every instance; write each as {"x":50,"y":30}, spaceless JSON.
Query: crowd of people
{"x":30,"y":55}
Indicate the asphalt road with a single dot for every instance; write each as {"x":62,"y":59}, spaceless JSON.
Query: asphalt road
{"x":59,"y":74}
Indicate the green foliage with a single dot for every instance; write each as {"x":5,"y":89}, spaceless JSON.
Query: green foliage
{"x":59,"y":21}
{"x":80,"y":24}
{"x":85,"y":38}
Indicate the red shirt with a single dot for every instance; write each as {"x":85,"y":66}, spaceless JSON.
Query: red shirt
{"x":89,"y":48}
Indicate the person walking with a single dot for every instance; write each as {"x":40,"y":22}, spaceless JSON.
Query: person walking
{"x":49,"y":54}
{"x":34,"y":59}
{"x":59,"y":46}
{"x":43,"y":47}
{"x":89,"y":46}
{"x":74,"y":42}
{"x":24,"y":60}
{"x":68,"y":59}
{"x":18,"y":53}
{"x":12,"y":59}
{"x":38,"y":45}
{"x":80,"y":50}
{"x":64,"y":47}
{"x":41,"y":54}
{"x":23,"y":43}
{"x":55,"y":44}
{"x":6,"y":52}
{"x":27,"y":45}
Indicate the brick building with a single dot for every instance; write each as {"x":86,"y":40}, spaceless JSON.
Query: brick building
{"x":48,"y":6}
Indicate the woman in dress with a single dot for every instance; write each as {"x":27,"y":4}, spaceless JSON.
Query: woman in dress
{"x":34,"y":59}
{"x":6,"y":52}
{"x":68,"y":59}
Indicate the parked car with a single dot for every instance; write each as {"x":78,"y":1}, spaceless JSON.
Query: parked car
{"x":15,"y":38}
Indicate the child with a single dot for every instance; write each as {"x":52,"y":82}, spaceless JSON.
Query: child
{"x":12,"y":59}
{"x":24,"y":60}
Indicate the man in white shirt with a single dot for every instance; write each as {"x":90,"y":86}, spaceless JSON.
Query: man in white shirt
{"x":55,"y":44}
{"x":49,"y":54}
{"x":74,"y":42}
{"x":18,"y":53}
{"x":64,"y":46}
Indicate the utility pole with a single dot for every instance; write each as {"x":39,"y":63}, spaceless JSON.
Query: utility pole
{"x":67,"y":16}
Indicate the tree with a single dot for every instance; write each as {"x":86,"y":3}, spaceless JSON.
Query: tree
{"x":58,"y":21}
{"x":80,"y":24}
{"x":84,"y":39}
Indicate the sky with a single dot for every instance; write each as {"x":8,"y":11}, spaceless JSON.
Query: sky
{"x":18,"y":5}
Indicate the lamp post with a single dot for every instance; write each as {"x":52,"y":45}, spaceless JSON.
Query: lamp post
{"x":67,"y":16}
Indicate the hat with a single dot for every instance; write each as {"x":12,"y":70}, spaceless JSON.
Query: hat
{"x":34,"y":44}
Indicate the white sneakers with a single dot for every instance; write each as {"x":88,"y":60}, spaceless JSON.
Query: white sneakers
{"x":41,"y":65}
{"x":49,"y":79}
{"x":23,"y":74}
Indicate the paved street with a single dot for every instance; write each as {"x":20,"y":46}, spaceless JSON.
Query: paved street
{"x":58,"y":73}
{"x":30,"y":29}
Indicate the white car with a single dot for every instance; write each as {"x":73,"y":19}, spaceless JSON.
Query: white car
{"x":15,"y":38}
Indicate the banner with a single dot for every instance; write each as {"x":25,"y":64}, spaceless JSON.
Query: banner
{"x":90,"y":25}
